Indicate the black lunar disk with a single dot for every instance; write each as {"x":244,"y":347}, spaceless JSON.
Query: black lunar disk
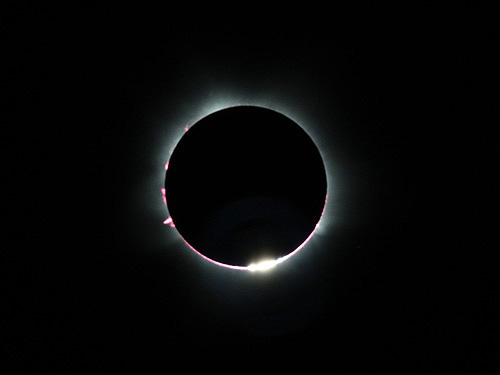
{"x":244,"y":185}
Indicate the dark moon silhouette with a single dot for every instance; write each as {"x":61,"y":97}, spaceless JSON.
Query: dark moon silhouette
{"x":244,"y":185}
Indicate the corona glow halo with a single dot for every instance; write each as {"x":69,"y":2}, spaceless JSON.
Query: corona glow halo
{"x":246,"y":188}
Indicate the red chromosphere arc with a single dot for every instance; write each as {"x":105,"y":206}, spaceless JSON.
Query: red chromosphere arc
{"x":251,"y":267}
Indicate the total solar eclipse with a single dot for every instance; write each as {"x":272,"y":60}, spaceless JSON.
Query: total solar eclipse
{"x":245,"y":187}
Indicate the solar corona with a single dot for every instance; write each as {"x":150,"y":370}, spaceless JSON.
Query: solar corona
{"x":245,"y":188}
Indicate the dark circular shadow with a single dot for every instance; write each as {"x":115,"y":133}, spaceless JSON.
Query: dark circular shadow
{"x":245,"y":184}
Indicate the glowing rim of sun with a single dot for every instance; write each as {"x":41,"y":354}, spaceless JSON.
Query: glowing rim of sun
{"x":264,"y":264}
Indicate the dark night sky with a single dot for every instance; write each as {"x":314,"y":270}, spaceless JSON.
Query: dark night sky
{"x":93,"y":278}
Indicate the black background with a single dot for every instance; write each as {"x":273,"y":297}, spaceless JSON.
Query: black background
{"x":402,"y":275}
